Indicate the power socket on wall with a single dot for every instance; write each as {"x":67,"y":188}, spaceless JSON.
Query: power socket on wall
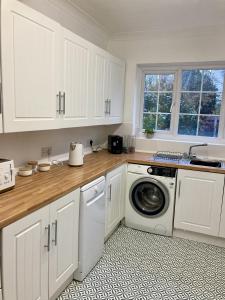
{"x":46,"y":151}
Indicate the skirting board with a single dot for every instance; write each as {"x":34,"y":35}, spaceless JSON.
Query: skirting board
{"x":199,"y":237}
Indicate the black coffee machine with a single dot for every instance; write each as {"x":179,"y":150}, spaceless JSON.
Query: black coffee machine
{"x":115,"y":144}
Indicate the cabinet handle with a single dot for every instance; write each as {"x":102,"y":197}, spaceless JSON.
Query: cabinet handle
{"x":179,"y":189}
{"x":64,"y":103}
{"x":59,"y":96}
{"x":109,"y":106}
{"x":48,"y":245}
{"x":110,"y":192}
{"x":55,"y":224}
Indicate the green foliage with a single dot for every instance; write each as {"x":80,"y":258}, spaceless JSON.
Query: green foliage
{"x":149,"y":131}
{"x":200,"y":103}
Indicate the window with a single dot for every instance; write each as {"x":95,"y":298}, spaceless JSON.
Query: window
{"x":185,"y":102}
{"x":200,"y":102}
{"x":158,"y":99}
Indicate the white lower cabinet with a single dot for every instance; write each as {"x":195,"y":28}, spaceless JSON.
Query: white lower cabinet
{"x":64,"y":221}
{"x":25,"y":257}
{"x":198,"y":201}
{"x":40,"y":251}
{"x":115,"y":185}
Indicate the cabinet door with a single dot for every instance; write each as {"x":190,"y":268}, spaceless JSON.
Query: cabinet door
{"x":63,"y":258}
{"x":198,"y":201}
{"x":30,"y":68}
{"x":114,"y":197}
{"x":116,"y":89}
{"x":99,"y":86}
{"x":25,"y":257}
{"x":76,"y":72}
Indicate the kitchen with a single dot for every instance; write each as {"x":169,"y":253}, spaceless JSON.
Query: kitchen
{"x":90,"y":72}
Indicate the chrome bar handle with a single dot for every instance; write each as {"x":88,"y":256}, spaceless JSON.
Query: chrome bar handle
{"x":55,"y":224}
{"x":106,"y":106}
{"x":59,"y":97}
{"x":110,"y":106}
{"x":64,"y":103}
{"x":48,"y":245}
{"x":179,"y":189}
{"x":110,"y":192}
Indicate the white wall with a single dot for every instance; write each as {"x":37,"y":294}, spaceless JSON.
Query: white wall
{"x":203,"y":45}
{"x":64,"y":12}
{"x":27,"y":146}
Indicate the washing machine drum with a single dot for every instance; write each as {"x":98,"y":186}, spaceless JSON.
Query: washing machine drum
{"x":149,"y":197}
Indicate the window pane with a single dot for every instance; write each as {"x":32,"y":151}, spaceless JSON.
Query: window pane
{"x":150,"y":102}
{"x":213,"y":80}
{"x":191,"y":80}
{"x":163,"y":122}
{"x":211,"y":103}
{"x":166,"y":82}
{"x":151,"y":82}
{"x":187,"y":125}
{"x":165,"y":102}
{"x":208,"y":126}
{"x":189,"y":103}
{"x":149,"y":121}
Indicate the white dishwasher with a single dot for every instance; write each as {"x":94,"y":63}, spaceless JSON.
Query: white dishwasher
{"x":91,"y":226}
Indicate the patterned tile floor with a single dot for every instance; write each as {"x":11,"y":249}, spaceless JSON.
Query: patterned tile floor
{"x":139,"y":265}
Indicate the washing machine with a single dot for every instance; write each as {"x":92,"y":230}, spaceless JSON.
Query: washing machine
{"x":150,"y":198}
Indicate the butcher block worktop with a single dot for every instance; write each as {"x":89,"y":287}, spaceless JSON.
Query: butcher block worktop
{"x":31,"y":193}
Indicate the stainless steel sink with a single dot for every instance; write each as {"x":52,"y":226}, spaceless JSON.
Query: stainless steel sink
{"x":206,"y":162}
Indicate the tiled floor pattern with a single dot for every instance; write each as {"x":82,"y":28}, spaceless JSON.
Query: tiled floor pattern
{"x":139,"y":265}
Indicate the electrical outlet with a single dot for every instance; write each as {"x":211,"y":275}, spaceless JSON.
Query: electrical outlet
{"x":46,"y":151}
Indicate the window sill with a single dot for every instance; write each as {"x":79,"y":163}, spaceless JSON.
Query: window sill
{"x":183,"y":139}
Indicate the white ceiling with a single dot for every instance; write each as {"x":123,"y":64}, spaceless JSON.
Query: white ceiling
{"x":131,"y":16}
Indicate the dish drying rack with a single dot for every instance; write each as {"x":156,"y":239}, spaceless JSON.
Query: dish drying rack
{"x":168,"y":155}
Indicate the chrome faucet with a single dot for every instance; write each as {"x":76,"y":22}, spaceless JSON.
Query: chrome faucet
{"x":190,"y":155}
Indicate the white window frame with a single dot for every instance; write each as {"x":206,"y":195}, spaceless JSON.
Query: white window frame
{"x":172,"y":134}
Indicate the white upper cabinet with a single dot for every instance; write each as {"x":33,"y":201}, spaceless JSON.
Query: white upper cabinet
{"x":198,"y":201}
{"x":30,"y":50}
{"x":107,"y":88}
{"x":75,"y":87}
{"x":116,"y":69}
{"x":98,"y":86}
{"x":52,"y":78}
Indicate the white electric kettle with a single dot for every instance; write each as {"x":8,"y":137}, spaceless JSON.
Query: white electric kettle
{"x":76,"y":154}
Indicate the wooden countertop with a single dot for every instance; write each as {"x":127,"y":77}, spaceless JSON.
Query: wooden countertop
{"x":31,"y":193}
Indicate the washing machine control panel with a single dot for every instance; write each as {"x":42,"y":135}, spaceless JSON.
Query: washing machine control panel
{"x":162,"y":171}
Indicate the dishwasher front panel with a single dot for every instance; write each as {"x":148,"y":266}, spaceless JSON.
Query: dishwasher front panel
{"x":91,"y":234}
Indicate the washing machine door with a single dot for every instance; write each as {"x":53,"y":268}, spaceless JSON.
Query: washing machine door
{"x":149,"y":197}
